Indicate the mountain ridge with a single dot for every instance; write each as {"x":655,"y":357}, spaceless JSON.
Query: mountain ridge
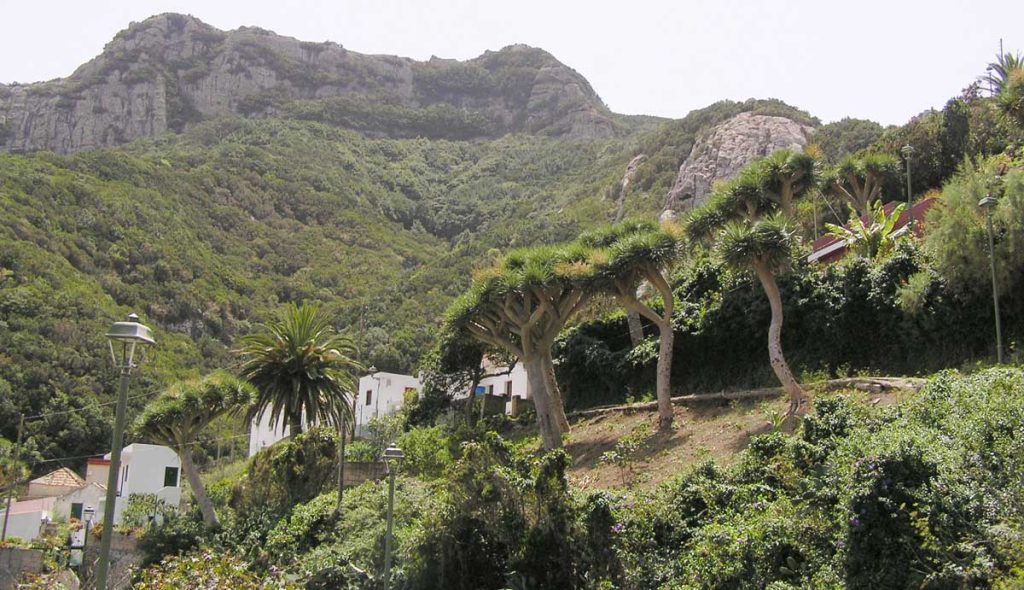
{"x":173,"y":71}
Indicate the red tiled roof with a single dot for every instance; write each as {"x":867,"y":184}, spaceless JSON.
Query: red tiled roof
{"x":62,"y":477}
{"x":828,"y":249}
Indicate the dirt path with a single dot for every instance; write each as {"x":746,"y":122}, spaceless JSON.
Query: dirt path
{"x":715,"y":426}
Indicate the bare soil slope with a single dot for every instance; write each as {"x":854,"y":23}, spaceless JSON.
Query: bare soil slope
{"x":706,"y":427}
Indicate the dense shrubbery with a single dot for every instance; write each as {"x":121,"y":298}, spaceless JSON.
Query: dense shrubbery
{"x":927,"y":494}
{"x":207,"y":233}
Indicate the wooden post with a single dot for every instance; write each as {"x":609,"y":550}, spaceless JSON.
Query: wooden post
{"x":14,"y":484}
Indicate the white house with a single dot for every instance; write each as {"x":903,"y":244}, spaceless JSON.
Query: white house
{"x":147,"y":469}
{"x":62,"y":494}
{"x":379,"y":394}
{"x":505,"y":383}
{"x":382,"y":394}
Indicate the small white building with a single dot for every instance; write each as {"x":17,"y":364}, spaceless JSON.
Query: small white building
{"x":382,"y":394}
{"x":63,"y":495}
{"x":147,"y":469}
{"x":379,"y":394}
{"x":504,"y":382}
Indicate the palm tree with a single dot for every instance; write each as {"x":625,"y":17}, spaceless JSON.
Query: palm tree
{"x":627,"y":255}
{"x":872,"y":239}
{"x":997,"y":74}
{"x":178,"y":415}
{"x":859,"y":179}
{"x":1011,"y":99}
{"x":787,"y":175}
{"x":519,"y":305}
{"x":301,"y":368}
{"x":742,"y":221}
{"x":765,"y":246}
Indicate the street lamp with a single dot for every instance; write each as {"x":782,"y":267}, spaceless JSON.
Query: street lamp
{"x":87,"y":515}
{"x":127,"y":343}
{"x":376,"y":394}
{"x":395,"y":454}
{"x":908,"y":151}
{"x":989,"y":203}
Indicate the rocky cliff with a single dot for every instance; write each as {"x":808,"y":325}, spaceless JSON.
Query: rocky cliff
{"x":723,"y":150}
{"x":172,"y":71}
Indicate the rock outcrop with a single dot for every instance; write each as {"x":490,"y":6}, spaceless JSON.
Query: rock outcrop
{"x":623,"y":188}
{"x":725,"y":149}
{"x":173,"y":71}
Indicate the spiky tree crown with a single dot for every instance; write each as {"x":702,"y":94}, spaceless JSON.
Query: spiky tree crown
{"x":300,"y":365}
{"x":187,"y":406}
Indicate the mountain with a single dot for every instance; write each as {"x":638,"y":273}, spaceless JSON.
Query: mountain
{"x":204,"y":179}
{"x":171,"y":71}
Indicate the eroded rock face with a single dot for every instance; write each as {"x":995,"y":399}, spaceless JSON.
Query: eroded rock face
{"x":725,"y":149}
{"x":173,"y":71}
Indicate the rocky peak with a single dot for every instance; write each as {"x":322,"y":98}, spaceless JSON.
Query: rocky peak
{"x":725,"y":149}
{"x":172,"y":71}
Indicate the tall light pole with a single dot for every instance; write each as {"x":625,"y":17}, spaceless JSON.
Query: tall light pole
{"x":989,"y":203}
{"x":394,"y":454}
{"x":127,"y":341}
{"x":87,"y":515}
{"x":908,"y":152}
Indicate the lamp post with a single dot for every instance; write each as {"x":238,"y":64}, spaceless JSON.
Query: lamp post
{"x":394,"y":453}
{"x":87,"y":514}
{"x":376,"y":394}
{"x":989,"y":203}
{"x":908,"y":151}
{"x":127,"y":342}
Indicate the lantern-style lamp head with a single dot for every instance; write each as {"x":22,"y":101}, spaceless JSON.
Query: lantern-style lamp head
{"x":88,"y":513}
{"x":128,"y":336}
{"x":907,"y":150}
{"x":988,"y":202}
{"x":393,"y":453}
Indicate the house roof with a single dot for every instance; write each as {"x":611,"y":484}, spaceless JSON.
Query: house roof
{"x":29,"y":506}
{"x":62,"y":477}
{"x":829,"y":248}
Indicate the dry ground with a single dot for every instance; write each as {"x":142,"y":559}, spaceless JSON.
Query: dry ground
{"x":717,"y":430}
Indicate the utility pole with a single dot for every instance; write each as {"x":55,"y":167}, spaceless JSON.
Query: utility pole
{"x":14,"y":483}
{"x":989,"y":203}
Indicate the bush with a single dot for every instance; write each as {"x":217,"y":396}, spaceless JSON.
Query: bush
{"x":205,"y":570}
{"x":176,"y":535}
{"x":427,"y":452}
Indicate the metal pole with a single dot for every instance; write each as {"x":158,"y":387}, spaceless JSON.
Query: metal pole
{"x":84,"y":568}
{"x":14,"y":482}
{"x":341,"y":461}
{"x":387,"y":535}
{"x":103,"y":563}
{"x":995,"y":288}
{"x":910,"y":205}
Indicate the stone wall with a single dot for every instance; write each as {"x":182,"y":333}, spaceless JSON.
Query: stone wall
{"x":15,"y":561}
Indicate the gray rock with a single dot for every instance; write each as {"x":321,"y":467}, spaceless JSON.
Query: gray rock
{"x":173,"y":71}
{"x":726,"y":149}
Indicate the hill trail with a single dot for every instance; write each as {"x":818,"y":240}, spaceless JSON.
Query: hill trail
{"x":715,"y":426}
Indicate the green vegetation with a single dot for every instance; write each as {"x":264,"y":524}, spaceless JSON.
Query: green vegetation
{"x":924,"y":494}
{"x":363,"y":242}
{"x":301,"y":370}
{"x":181,"y":413}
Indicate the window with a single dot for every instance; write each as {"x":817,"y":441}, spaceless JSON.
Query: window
{"x":490,"y":389}
{"x":170,"y":477}
{"x":369,"y":396}
{"x":124,"y":480}
{"x":508,"y":389}
{"x":76,"y":510}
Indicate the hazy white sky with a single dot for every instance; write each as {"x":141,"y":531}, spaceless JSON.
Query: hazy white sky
{"x":880,"y":60}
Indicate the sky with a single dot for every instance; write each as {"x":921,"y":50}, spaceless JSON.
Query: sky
{"x":869,"y":59}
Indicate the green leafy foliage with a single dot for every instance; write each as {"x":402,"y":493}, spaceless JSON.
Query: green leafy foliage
{"x":205,"y":569}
